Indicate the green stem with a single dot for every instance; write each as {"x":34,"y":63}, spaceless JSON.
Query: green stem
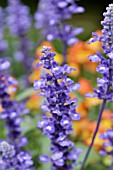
{"x":95,"y":132}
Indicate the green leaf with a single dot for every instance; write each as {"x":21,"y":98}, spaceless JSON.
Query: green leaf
{"x":29,"y":123}
{"x":45,"y":150}
{"x":93,"y":157}
{"x":25,"y":94}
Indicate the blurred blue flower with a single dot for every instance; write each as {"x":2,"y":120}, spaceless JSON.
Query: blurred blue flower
{"x":51,"y":19}
{"x":19,"y":22}
{"x":3,"y":43}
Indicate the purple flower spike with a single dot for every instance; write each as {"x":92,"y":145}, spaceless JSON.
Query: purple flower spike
{"x":18,"y":19}
{"x":56,"y":87}
{"x":19,"y":22}
{"x":105,"y":85}
{"x":54,"y":26}
{"x":3,"y":43}
{"x":12,"y":112}
{"x":104,"y":90}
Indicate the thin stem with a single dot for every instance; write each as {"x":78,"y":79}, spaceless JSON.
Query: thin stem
{"x":24,"y":46}
{"x":94,"y":135}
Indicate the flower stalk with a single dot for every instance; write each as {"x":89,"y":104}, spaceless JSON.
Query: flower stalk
{"x":105,"y":84}
{"x":55,"y":86}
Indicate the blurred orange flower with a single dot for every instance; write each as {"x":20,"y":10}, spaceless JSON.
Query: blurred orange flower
{"x":85,"y":86}
{"x":33,"y":102}
{"x":78,"y":53}
{"x":90,"y":102}
{"x":35,"y":75}
{"x":1,"y":109}
{"x":96,"y":46}
{"x":82,"y":109}
{"x":85,"y":128}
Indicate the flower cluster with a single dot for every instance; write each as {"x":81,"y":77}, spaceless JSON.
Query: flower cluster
{"x":11,"y":160}
{"x":51,"y":19}
{"x":18,"y":19}
{"x":105,"y":84}
{"x":108,"y":137}
{"x":55,"y":86}
{"x":11,"y":110}
{"x":19,"y":23}
{"x":3,"y":43}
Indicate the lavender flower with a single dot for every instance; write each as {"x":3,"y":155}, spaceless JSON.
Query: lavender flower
{"x":19,"y":23}
{"x":105,"y":83}
{"x":51,"y":19}
{"x":11,"y":160}
{"x":18,"y":20}
{"x":55,"y":86}
{"x":11,"y":110}
{"x":108,"y":137}
{"x":3,"y":43}
{"x":105,"y":68}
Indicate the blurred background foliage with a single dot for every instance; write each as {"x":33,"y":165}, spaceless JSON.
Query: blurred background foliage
{"x":90,"y":20}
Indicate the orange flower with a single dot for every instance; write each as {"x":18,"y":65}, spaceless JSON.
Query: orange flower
{"x":95,"y":46}
{"x":106,"y":114}
{"x":82,"y":109}
{"x":81,"y":128}
{"x":90,"y":67}
{"x":85,"y":128}
{"x":33,"y":102}
{"x":78,"y":53}
{"x":106,"y":123}
{"x":89,"y":102}
{"x":97,"y":143}
{"x":59,"y":58}
{"x":85,"y":86}
{"x":1,"y":109}
{"x":35,"y":75}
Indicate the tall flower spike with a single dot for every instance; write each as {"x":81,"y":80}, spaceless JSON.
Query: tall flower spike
{"x":3,"y":43}
{"x":18,"y":19}
{"x":55,"y":86}
{"x":51,"y":19}
{"x":105,"y":68}
{"x":19,"y":23}
{"x":105,"y":84}
{"x":12,"y":112}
